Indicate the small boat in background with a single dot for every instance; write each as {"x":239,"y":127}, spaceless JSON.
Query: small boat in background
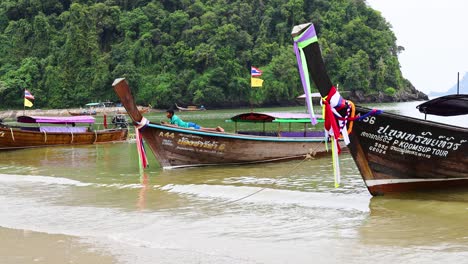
{"x":56,"y":131}
{"x":90,"y":109}
{"x":141,"y":109}
{"x":84,"y":112}
{"x":190,"y":108}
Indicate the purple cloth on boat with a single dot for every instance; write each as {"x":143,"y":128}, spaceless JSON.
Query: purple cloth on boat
{"x":56,"y":119}
{"x":52,"y":129}
{"x":30,"y":128}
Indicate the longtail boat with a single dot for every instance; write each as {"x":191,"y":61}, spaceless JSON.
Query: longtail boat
{"x":55,"y":131}
{"x":394,"y":153}
{"x":143,"y":110}
{"x":176,"y":147}
{"x":190,"y":108}
{"x":82,"y":113}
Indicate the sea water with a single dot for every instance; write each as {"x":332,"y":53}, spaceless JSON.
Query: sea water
{"x":90,"y":204}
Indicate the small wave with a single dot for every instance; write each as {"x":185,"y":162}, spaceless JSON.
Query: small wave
{"x":273,"y":196}
{"x":48,"y":180}
{"x":122,"y":186}
{"x":12,"y":178}
{"x":250,"y":180}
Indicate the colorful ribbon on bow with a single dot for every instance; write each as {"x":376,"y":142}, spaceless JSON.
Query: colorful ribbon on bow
{"x":140,"y":144}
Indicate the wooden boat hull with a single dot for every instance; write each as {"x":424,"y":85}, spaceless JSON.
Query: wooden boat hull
{"x":182,"y":147}
{"x":398,"y":154}
{"x":179,"y":147}
{"x":17,"y":139}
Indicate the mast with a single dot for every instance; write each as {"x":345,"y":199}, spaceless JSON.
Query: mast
{"x":24,"y":97}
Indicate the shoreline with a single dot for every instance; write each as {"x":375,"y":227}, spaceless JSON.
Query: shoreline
{"x":13,"y":114}
{"x":38,"y":247}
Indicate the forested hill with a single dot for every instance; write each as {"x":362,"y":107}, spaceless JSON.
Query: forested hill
{"x":68,"y":52}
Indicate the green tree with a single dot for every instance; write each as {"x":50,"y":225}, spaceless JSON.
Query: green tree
{"x":189,"y":51}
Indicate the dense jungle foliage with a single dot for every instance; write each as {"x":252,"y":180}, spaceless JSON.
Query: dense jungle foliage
{"x":68,"y":52}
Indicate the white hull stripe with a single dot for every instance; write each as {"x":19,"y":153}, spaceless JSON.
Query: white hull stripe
{"x":396,"y":181}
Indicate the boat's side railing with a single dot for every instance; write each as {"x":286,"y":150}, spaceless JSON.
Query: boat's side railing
{"x":284,"y":126}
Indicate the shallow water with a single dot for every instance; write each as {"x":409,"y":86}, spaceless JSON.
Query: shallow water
{"x":90,"y":204}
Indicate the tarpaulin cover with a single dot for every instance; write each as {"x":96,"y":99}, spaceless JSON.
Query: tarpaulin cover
{"x":56,"y":119}
{"x":449,"y":105}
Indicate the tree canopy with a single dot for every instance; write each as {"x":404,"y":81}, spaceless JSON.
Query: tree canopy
{"x":68,"y":52}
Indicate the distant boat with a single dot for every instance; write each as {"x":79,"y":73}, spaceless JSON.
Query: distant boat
{"x":182,"y":147}
{"x":90,"y":109}
{"x":396,"y":153}
{"x":55,"y":131}
{"x":315,"y":97}
{"x":191,"y":108}
{"x":83,"y":112}
{"x":99,"y":105}
{"x":141,"y":109}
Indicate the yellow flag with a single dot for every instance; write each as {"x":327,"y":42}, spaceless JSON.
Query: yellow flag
{"x":256,"y":82}
{"x":27,"y":103}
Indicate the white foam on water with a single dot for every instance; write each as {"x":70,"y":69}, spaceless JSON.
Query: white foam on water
{"x":247,"y":194}
{"x":121,"y":186}
{"x":12,"y":178}
{"x":252,"y":180}
{"x":61,"y":181}
{"x":257,"y":230}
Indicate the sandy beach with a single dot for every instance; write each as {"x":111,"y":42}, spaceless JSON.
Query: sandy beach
{"x":23,"y":246}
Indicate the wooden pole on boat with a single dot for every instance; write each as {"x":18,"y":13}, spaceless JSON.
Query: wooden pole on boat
{"x":458,"y":83}
{"x":122,"y":90}
{"x":24,"y":100}
{"x":105,"y":121}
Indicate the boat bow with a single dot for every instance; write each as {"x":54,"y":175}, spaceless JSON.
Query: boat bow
{"x":122,"y":90}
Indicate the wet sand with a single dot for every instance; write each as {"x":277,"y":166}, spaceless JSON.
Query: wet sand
{"x":24,"y":247}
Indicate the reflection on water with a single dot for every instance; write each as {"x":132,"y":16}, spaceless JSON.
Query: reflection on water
{"x":144,"y":180}
{"x":285,"y":212}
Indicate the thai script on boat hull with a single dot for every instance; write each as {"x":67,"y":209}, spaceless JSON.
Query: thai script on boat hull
{"x":207,"y":144}
{"x":421,"y":144}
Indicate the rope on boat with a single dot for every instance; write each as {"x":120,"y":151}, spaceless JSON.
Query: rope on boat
{"x":45,"y":136}
{"x":131,"y":136}
{"x":12,"y":136}
{"x":310,"y":155}
{"x":95,"y":136}
{"x":72,"y":136}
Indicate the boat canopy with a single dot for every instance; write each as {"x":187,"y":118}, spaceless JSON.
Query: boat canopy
{"x":56,"y":119}
{"x":314,"y":95}
{"x":272,"y":117}
{"x":95,"y":105}
{"x":449,"y":105}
